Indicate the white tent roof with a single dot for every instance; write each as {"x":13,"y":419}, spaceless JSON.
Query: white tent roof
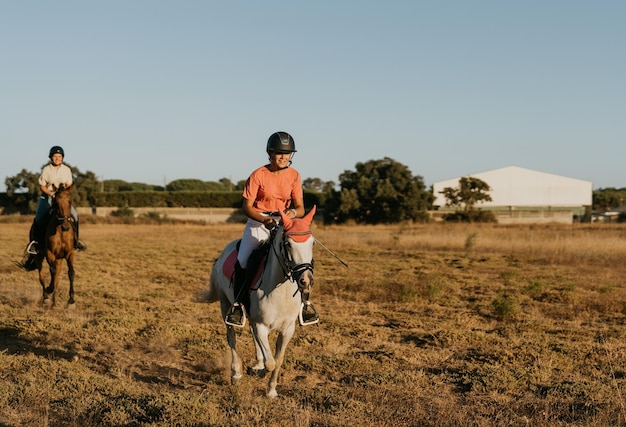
{"x":515,"y":186}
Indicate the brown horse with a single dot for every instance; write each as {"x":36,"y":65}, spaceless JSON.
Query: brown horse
{"x":58,"y":244}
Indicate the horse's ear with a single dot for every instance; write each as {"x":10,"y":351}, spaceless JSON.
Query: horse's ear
{"x":309,"y":217}
{"x":69,"y":187}
{"x":287,"y":222}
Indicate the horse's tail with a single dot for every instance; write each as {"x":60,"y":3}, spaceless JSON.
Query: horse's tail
{"x":211,"y":293}
{"x":218,"y":283}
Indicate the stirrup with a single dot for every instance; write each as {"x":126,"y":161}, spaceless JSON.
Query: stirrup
{"x":32,"y":248}
{"x":242,"y":322}
{"x":308,"y":306}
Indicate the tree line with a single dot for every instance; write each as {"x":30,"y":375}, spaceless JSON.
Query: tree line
{"x":377,"y":191}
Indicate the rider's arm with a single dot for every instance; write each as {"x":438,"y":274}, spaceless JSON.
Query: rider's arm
{"x":45,"y":191}
{"x":250,"y":212}
{"x":298,"y":209}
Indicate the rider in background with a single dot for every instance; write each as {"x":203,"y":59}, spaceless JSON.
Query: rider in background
{"x":269,"y":189}
{"x":52,"y":176}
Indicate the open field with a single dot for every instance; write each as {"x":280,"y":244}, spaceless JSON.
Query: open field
{"x":431,"y":325}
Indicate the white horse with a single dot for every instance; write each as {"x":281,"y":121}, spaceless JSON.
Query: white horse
{"x":276,"y":298}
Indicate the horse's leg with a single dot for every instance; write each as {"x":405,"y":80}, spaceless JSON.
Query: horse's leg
{"x":42,"y":281}
{"x":53,"y":263}
{"x":231,"y":336}
{"x":264,"y":351}
{"x":54,"y":282}
{"x":281,"y":345}
{"x":259,"y":368}
{"x":70,"y":275}
{"x":55,"y":272}
{"x":235,"y":361}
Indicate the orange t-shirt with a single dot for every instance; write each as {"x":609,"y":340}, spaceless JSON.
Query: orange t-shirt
{"x":273,"y":192}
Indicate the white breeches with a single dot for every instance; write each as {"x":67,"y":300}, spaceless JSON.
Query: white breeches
{"x":254,"y":235}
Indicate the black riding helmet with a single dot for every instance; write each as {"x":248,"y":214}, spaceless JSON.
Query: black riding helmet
{"x":56,"y":149}
{"x":281,"y":142}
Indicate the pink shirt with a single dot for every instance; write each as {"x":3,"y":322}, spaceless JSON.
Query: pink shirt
{"x":273,"y":192}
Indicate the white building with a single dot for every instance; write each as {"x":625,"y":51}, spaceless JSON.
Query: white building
{"x":525,"y":195}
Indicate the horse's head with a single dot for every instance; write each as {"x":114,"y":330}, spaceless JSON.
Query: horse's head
{"x":298,"y":243}
{"x":62,"y":205}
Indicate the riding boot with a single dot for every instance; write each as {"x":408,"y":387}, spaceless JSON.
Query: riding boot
{"x":236,"y":316}
{"x":32,"y":247}
{"x":308,"y":314}
{"x":79,"y":245}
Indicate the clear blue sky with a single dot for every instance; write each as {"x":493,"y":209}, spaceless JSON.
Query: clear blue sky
{"x":151,"y":90}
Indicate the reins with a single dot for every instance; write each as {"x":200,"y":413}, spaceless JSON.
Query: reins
{"x":57,"y":211}
{"x":290,"y":270}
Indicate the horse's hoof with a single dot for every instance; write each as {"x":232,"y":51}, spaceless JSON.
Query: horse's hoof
{"x":234,"y":380}
{"x":71,"y":305}
{"x":259,"y":373}
{"x":47,"y":301}
{"x":272,"y":394}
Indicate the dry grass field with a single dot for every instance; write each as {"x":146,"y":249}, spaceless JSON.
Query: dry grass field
{"x":431,"y":325}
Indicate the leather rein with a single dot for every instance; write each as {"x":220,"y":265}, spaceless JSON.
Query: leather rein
{"x":291,"y":270}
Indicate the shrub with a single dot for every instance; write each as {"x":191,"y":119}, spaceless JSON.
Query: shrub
{"x":504,"y":307}
{"x":123,"y":212}
{"x":470,"y":216}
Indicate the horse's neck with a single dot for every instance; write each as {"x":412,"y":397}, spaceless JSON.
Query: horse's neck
{"x":275,"y":269}
{"x":64,"y":210}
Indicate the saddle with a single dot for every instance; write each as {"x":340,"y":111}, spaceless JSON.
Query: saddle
{"x":38,"y":230}
{"x":255,"y":267}
{"x":37,"y":233}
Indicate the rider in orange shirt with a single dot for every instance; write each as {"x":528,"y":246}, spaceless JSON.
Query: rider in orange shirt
{"x":269,"y":189}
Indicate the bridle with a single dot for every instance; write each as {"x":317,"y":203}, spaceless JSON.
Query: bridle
{"x":63,"y":220}
{"x":291,"y":270}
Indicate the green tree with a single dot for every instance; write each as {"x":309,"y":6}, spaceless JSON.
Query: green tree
{"x":195,"y":185}
{"x":379,"y":191}
{"x":228,"y":184}
{"x":606,"y":199}
{"x":115,"y":185}
{"x":86,"y":185}
{"x":23,"y":190}
{"x":470,"y":192}
{"x":317,"y":185}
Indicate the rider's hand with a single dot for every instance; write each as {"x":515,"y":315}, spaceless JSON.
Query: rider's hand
{"x":269,"y":223}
